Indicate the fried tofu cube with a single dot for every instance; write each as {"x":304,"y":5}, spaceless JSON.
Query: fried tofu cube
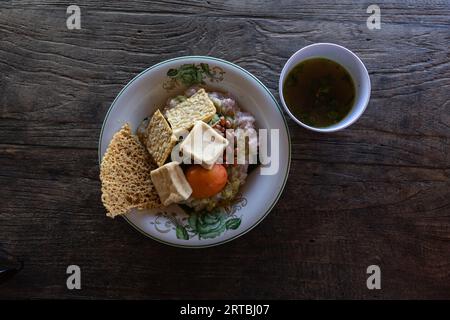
{"x":170,"y":183}
{"x":204,"y":145}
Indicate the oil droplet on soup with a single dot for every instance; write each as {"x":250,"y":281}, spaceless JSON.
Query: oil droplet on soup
{"x":319,"y":92}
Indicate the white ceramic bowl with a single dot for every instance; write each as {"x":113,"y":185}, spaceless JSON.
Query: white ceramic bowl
{"x":172,"y":225}
{"x":350,"y":62}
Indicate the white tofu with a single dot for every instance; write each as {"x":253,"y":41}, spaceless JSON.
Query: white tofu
{"x":204,"y":145}
{"x":170,"y":183}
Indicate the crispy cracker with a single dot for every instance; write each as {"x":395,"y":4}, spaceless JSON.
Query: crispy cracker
{"x":125,"y":175}
{"x":160,"y":138}
{"x":197,"y":107}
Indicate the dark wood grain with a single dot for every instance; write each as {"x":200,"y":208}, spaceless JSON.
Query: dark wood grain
{"x":375,"y":193}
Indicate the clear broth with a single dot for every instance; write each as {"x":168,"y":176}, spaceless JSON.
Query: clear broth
{"x":319,"y":92}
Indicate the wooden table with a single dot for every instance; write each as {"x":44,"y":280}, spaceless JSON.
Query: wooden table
{"x":375,"y":193}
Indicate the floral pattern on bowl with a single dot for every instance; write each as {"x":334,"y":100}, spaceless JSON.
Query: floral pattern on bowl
{"x":192,"y":74}
{"x":201,"y":225}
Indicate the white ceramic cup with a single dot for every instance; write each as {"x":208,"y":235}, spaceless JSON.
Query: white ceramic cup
{"x":350,"y":62}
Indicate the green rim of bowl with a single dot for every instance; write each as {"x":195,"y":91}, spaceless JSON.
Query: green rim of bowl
{"x":282,"y":116}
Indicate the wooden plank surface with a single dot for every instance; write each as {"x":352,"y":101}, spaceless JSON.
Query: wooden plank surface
{"x":375,"y":193}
